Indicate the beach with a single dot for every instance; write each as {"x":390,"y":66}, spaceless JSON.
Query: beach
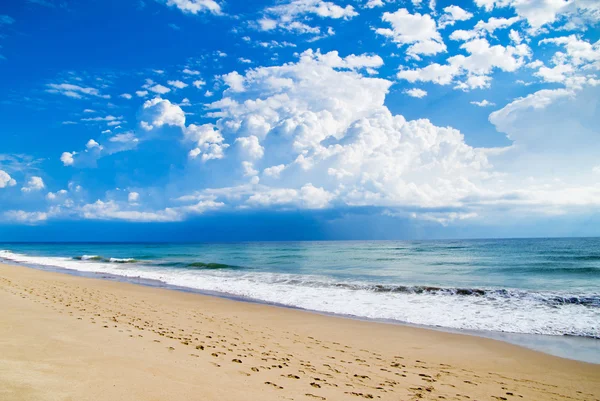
{"x":64,"y":337}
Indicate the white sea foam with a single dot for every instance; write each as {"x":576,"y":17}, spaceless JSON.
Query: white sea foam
{"x":518,"y":312}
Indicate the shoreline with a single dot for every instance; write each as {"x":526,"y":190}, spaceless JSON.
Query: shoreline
{"x":69,"y":337}
{"x":583,"y":349}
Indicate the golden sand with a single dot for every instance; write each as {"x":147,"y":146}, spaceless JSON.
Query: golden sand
{"x":64,"y":337}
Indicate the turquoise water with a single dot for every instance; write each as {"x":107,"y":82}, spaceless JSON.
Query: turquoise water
{"x":526,"y":286}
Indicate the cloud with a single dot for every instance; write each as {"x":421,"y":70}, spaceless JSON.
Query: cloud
{"x":160,"y":89}
{"x":6,"y":20}
{"x":482,"y":60}
{"x":416,"y":30}
{"x":188,"y":71}
{"x":67,"y":158}
{"x":451,"y":15}
{"x":199,"y":83}
{"x":493,"y":24}
{"x":177,"y":84}
{"x":337,"y":135}
{"x":75,"y":91}
{"x":573,"y":67}
{"x":195,"y":6}
{"x":126,"y":96}
{"x":141,"y":93}
{"x":34,"y":184}
{"x":207,"y":140}
{"x":416,"y":92}
{"x":483,"y":103}
{"x":6,"y":180}
{"x":133,"y":197}
{"x":25,"y":217}
{"x":158,"y":112}
{"x":111,"y":210}
{"x":292,"y":15}
{"x":576,"y":13}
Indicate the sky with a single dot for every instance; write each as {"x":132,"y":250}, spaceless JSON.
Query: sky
{"x":181,"y":120}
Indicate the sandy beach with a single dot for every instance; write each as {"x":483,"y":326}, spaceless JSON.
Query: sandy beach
{"x":64,"y":337}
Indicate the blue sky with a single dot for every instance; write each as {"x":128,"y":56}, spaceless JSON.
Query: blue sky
{"x":299,"y":119}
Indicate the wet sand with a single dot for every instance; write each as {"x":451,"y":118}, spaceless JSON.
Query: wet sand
{"x":64,"y":337}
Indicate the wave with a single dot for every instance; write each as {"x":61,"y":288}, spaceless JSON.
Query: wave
{"x":197,"y":265}
{"x":96,"y":258}
{"x":471,"y":308}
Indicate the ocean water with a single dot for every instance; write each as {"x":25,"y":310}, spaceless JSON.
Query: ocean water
{"x":522,"y":286}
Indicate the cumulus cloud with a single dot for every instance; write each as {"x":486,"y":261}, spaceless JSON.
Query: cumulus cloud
{"x":177,"y":84}
{"x":158,"y":112}
{"x":34,"y":184}
{"x":293,"y":15}
{"x":481,"y":60}
{"x":6,"y":180}
{"x":416,"y":92}
{"x":451,"y":15}
{"x":574,"y":66}
{"x":133,"y":197}
{"x":67,"y":158}
{"x":417,"y":31}
{"x":195,"y":6}
{"x":483,"y":103}
{"x":576,"y":13}
{"x":341,"y":144}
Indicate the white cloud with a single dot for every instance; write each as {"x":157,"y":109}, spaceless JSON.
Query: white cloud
{"x":22,"y":216}
{"x":108,"y":118}
{"x":416,"y":92}
{"x":341,"y":144}
{"x":141,"y":93}
{"x":574,"y":67}
{"x":111,"y":210}
{"x":251,"y":146}
{"x":483,"y":103}
{"x":308,"y":197}
{"x":160,"y":89}
{"x":67,"y":158}
{"x":133,"y":197}
{"x":577,"y":13}
{"x":208,"y":141}
{"x":196,"y":6}
{"x":34,"y":184}
{"x":376,"y":3}
{"x":494,"y":23}
{"x":177,"y":84}
{"x":274,"y":171}
{"x":480,"y":62}
{"x":6,"y":180}
{"x":126,"y":96}
{"x":234,"y":81}
{"x":292,"y":15}
{"x":188,"y":71}
{"x":158,"y":112}
{"x":91,"y":144}
{"x":451,"y":15}
{"x":416,"y":30}
{"x":75,"y":91}
{"x":199,"y":83}
{"x":462,"y":35}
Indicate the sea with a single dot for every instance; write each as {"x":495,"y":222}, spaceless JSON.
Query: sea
{"x":539,"y":293}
